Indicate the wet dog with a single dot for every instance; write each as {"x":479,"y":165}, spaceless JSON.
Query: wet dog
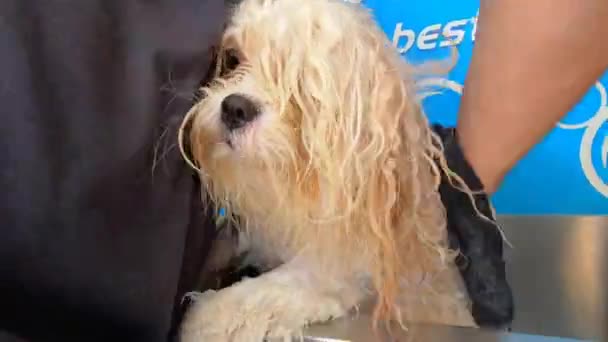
{"x":311,"y":134}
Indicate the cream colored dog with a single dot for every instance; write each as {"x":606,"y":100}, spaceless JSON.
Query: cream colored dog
{"x":312,"y":135}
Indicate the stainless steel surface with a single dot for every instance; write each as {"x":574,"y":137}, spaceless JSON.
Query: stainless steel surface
{"x":359,"y":329}
{"x":558,"y":268}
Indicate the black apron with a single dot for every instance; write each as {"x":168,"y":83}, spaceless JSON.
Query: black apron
{"x":101,"y":224}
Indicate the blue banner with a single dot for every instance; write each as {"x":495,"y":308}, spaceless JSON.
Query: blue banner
{"x":566,"y":173}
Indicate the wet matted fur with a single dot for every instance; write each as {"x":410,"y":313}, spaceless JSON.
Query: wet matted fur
{"x":334,"y":180}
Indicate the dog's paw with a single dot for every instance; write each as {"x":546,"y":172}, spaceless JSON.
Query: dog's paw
{"x":255,"y":310}
{"x":204,"y":312}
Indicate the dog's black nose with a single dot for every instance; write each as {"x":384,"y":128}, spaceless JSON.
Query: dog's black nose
{"x":237,"y":111}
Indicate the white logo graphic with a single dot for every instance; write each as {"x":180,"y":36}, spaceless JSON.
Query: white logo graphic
{"x":435,"y":86}
{"x":592,"y":128}
{"x":434,"y":36}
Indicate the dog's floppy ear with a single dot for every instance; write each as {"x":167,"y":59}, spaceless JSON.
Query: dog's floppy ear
{"x":372,"y":149}
{"x":404,"y":210}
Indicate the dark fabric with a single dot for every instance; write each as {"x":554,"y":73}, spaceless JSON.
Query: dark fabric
{"x":98,"y":212}
{"x":479,"y":241}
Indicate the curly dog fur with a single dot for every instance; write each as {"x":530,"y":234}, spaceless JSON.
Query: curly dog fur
{"x":334,"y":180}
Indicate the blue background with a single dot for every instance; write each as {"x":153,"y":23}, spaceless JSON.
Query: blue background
{"x":550,"y":179}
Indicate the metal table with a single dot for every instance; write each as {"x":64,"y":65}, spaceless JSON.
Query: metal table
{"x":558,"y":268}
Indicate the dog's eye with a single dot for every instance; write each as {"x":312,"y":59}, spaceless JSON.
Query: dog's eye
{"x":230,"y":61}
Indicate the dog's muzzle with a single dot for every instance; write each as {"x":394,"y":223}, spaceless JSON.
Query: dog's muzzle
{"x":238,"y":111}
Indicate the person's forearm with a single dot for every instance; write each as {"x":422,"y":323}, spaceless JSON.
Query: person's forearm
{"x":532,"y":62}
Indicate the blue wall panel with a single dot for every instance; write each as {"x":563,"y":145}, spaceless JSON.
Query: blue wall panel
{"x":567,"y":173}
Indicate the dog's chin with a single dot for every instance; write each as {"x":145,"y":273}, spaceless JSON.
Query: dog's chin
{"x":242,"y":139}
{"x":234,"y":141}
{"x":232,"y":145}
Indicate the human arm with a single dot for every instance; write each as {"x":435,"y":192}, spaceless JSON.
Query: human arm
{"x":532,"y":62}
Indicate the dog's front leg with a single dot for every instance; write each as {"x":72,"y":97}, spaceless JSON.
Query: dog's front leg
{"x":275,"y":305}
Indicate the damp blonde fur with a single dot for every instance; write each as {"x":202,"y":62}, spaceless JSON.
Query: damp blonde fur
{"x":340,"y":165}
